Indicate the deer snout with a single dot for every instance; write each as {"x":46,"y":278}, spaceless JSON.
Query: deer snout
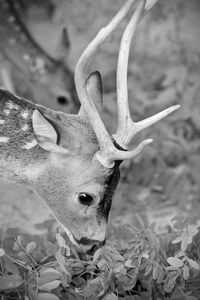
{"x":95,"y":247}
{"x":90,"y":246}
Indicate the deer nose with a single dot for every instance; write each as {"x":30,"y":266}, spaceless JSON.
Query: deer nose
{"x":96,"y":246}
{"x":90,"y":246}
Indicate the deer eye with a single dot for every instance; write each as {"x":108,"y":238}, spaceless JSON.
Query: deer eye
{"x":85,"y":199}
{"x":62,"y":100}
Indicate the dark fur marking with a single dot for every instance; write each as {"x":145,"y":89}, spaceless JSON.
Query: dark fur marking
{"x":112,"y":182}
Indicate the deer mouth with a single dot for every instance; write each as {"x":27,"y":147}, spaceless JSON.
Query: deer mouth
{"x":89,"y":246}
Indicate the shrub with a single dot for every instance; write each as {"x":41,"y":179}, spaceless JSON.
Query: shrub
{"x":135,"y":264}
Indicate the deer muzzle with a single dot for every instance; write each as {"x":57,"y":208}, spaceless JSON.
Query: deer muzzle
{"x":89,"y":246}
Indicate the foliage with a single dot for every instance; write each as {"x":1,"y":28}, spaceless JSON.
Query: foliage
{"x":135,"y":264}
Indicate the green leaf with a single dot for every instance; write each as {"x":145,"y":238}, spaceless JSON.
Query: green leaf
{"x":184,"y":243}
{"x":113,"y":253}
{"x":20,"y":239}
{"x":61,"y":261}
{"x":78,"y":281}
{"x":185,"y":272}
{"x":192,"y":230}
{"x":50,"y":285}
{"x":31,"y":293}
{"x":48,"y":275}
{"x":137,"y":223}
{"x":30,"y":247}
{"x":178,"y":239}
{"x":23,"y":256}
{"x":111,"y":296}
{"x":77,"y":268}
{"x":156,"y":270}
{"x":62,"y":243}
{"x":8,"y":282}
{"x":169,"y":284}
{"x":96,"y":284}
{"x":50,"y":248}
{"x":120,"y":269}
{"x":148,"y":268}
{"x":193,"y":264}
{"x":175,"y":262}
{"x":189,"y":232}
{"x":152,"y":238}
{"x":129,"y":264}
{"x":47,"y":296}
{"x":160,"y":277}
{"x":179,"y":222}
{"x":91,"y":268}
{"x":102,"y":263}
{"x":97,"y":254}
{"x":2,"y":252}
{"x":16,"y":246}
{"x":178,"y":294}
{"x":130,"y":283}
{"x":10,"y":266}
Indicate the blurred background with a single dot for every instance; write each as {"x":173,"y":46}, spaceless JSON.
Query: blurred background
{"x":40,"y":43}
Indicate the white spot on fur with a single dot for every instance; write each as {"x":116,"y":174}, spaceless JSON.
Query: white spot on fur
{"x":4,"y":139}
{"x":24,"y":128}
{"x":2,"y":122}
{"x":30,"y":145}
{"x":6,"y":112}
{"x":26,"y":57}
{"x":11,"y":105}
{"x":34,"y":171}
{"x":25,"y":114}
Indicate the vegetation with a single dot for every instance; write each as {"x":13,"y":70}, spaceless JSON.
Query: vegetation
{"x":134,"y":264}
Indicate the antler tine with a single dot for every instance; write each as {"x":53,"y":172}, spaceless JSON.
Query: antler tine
{"x":126,"y":127}
{"x":124,"y":118}
{"x":105,"y":142}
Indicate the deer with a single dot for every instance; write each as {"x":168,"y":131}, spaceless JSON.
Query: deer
{"x":27,"y":57}
{"x":70,"y":160}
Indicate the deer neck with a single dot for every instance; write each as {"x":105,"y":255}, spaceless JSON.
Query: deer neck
{"x":18,"y":171}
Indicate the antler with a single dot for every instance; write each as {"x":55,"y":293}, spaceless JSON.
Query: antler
{"x":127,"y":128}
{"x":104,"y":140}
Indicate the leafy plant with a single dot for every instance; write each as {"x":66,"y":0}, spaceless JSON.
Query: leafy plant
{"x":137,"y":265}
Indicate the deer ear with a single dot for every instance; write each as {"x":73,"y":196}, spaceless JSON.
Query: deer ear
{"x":45,"y":133}
{"x":94,"y":90}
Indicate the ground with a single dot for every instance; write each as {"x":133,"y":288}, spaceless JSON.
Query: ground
{"x":164,"y":70}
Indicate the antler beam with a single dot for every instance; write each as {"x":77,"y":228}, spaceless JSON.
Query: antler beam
{"x":105,"y":142}
{"x":126,"y":127}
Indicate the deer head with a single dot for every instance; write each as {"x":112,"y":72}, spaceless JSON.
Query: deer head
{"x":70,"y":160}
{"x":27,"y":57}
